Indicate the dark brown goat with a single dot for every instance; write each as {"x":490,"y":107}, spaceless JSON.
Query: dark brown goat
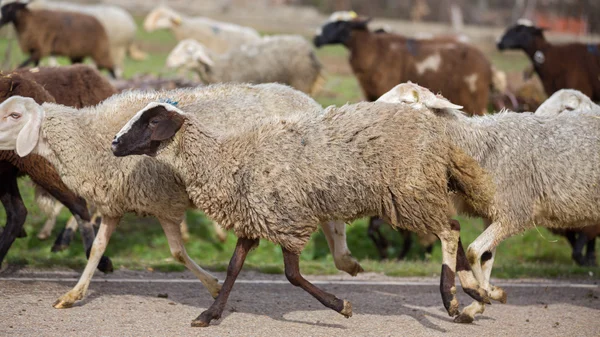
{"x":568,"y":66}
{"x":43,"y":33}
{"x":76,"y":86}
{"x":380,"y":61}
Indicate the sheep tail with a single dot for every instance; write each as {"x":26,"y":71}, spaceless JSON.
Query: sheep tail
{"x":470,"y":181}
{"x":320,"y":79}
{"x":136,"y":53}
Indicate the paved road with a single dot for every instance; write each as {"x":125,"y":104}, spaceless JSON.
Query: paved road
{"x":127,"y":303}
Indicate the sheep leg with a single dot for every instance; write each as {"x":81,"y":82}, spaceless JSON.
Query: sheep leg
{"x":52,"y":214}
{"x":16,"y":213}
{"x":221,"y":233}
{"x":63,"y":240}
{"x":107,"y":227}
{"x":449,"y":239}
{"x":375,"y":234}
{"x":406,"y":245}
{"x":580,"y":242}
{"x":243,"y":246}
{"x":335,"y":233}
{"x":173,"y":233}
{"x":88,"y":234}
{"x":292,"y":272}
{"x":590,"y":255}
{"x":467,"y":279}
{"x":26,"y":62}
{"x":184,"y":229}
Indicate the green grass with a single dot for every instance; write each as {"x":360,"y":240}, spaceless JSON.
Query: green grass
{"x":139,"y":243}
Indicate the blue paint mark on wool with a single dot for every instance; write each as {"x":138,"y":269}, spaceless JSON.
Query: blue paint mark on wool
{"x":168,"y":101}
{"x":593,"y":49}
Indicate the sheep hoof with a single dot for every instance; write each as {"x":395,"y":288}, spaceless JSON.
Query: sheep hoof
{"x":349,"y":264}
{"x":43,"y":236}
{"x":498,"y":294}
{"x":199,"y":323}
{"x":63,"y":304}
{"x":204,"y":319}
{"x":453,"y":308}
{"x":347,"y":310}
{"x":463,"y":318}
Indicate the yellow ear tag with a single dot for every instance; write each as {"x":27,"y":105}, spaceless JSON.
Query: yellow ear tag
{"x":176,"y":21}
{"x":416,"y":95}
{"x":353,"y":14}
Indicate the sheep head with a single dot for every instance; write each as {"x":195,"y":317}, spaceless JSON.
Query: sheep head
{"x":161,"y":18}
{"x":566,"y":100}
{"x":520,"y":36}
{"x":339,"y":28}
{"x":20,"y":123}
{"x":10,"y":8}
{"x":414,"y":94}
{"x":150,"y":128}
{"x":189,"y":53}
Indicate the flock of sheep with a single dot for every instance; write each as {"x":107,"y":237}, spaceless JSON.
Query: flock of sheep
{"x":266,"y":161}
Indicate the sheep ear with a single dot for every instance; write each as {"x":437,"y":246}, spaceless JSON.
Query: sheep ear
{"x":203,"y":57}
{"x":29,"y":135}
{"x":167,"y":128}
{"x":441,"y":103}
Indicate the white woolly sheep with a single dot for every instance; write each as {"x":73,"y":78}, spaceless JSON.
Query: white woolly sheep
{"x":566,"y":100}
{"x":218,"y":36}
{"x":77,"y":142}
{"x":118,"y":24}
{"x":286,"y":59}
{"x":43,"y":32}
{"x":277,"y":179}
{"x":558,"y":153}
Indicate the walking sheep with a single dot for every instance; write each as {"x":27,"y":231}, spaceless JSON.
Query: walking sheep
{"x":43,"y":33}
{"x":285,"y":59}
{"x":77,"y":143}
{"x":76,"y":86}
{"x":217,"y":36}
{"x":569,"y":66}
{"x":558,"y":153}
{"x":381,"y":60}
{"x":277,"y":179}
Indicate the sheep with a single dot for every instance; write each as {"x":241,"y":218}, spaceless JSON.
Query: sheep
{"x":43,"y":32}
{"x":569,"y":66}
{"x":566,"y":100}
{"x":77,"y":86}
{"x":286,"y":59}
{"x":276,"y":179}
{"x":558,"y":153}
{"x":75,"y":142}
{"x":381,"y":60}
{"x":117,"y":22}
{"x":218,"y":36}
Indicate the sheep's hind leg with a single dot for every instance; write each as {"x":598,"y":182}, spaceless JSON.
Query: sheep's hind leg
{"x":173,"y":233}
{"x":63,"y":240}
{"x":335,"y":233}
{"x":242,"y":248}
{"x":378,"y":238}
{"x":16,"y":213}
{"x":292,"y":272}
{"x":107,"y":227}
{"x":467,"y":279}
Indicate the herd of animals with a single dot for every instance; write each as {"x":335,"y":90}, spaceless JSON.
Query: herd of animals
{"x":266,"y":161}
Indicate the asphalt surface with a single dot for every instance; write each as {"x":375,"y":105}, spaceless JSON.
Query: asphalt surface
{"x":127,"y":303}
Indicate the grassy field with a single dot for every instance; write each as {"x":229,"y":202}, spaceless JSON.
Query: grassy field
{"x":140,"y":244}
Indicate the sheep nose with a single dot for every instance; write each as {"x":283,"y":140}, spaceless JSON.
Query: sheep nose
{"x":114,"y":144}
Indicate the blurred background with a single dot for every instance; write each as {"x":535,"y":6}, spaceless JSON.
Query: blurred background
{"x":139,"y":243}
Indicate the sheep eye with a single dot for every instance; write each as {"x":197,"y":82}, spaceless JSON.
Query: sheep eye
{"x":154,"y":122}
{"x":15,"y":115}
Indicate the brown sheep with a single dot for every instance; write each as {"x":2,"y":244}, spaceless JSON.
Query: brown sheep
{"x":569,"y":66}
{"x":380,"y":61}
{"x":76,"y":86}
{"x":43,"y":33}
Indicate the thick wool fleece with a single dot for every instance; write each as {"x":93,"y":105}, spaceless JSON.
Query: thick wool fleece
{"x":280,"y":178}
{"x":77,"y":143}
{"x":545,"y":167}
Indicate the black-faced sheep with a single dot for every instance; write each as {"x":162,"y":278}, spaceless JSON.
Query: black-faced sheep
{"x":569,"y":66}
{"x":277,"y":179}
{"x":43,"y":33}
{"x":382,"y":60}
{"x":77,"y":86}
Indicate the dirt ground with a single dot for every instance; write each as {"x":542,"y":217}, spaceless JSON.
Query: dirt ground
{"x":128,"y":303}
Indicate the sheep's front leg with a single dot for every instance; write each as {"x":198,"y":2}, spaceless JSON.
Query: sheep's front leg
{"x":63,"y":240}
{"x":449,"y":238}
{"x":242,"y":248}
{"x":292,"y":272}
{"x":335,"y":233}
{"x":172,"y":231}
{"x":16,"y":213}
{"x":467,"y":279}
{"x":107,"y":227}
